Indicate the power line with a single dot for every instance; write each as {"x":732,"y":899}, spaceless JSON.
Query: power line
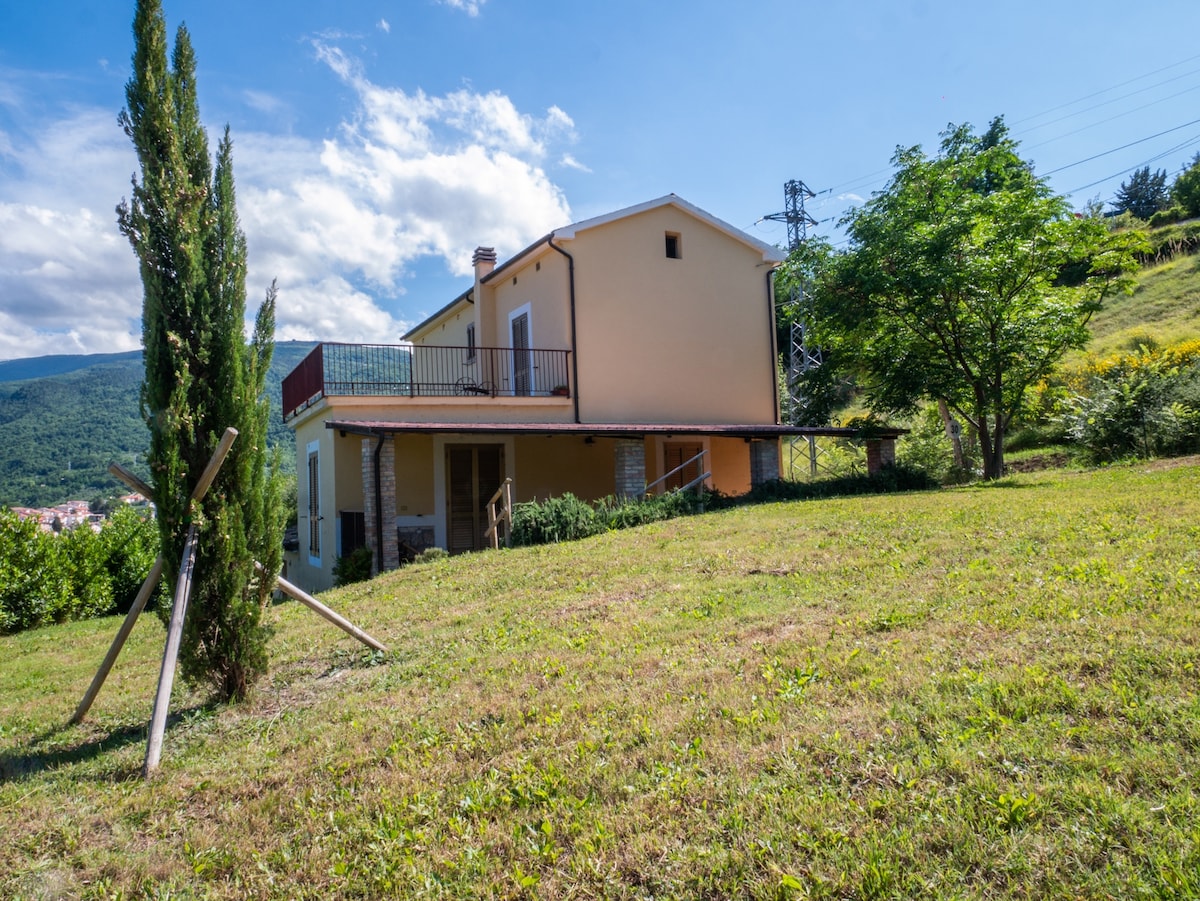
{"x":874,"y":178}
{"x":1112,"y":118}
{"x":1122,"y":147}
{"x":1112,"y":101}
{"x":1105,"y":90}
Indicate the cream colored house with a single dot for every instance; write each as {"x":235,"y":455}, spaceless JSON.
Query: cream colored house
{"x":596,"y":361}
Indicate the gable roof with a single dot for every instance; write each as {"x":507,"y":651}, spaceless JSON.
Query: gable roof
{"x":770,"y":253}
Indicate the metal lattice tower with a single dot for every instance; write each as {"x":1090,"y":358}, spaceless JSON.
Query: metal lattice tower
{"x":801,"y":357}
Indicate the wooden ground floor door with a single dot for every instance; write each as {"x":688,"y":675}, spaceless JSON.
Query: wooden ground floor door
{"x":675,"y":454}
{"x":473,"y":473}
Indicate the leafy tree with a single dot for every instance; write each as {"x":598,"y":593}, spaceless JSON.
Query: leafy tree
{"x":951,"y":286}
{"x":200,"y":375}
{"x":820,"y":390}
{"x":1186,"y":189}
{"x":1144,"y":194}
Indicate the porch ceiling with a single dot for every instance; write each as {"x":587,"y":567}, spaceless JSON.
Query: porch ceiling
{"x":603,"y":430}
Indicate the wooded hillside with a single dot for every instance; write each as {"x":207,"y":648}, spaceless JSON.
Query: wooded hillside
{"x":63,"y":419}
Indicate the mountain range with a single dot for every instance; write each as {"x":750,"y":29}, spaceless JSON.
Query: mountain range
{"x":65,"y":417}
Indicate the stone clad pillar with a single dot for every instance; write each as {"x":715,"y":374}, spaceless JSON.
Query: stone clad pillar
{"x":764,"y":461}
{"x":630,"y":467}
{"x":387,"y":496}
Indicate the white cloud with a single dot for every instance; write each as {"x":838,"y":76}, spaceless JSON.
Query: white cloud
{"x":384,"y":26}
{"x":68,"y":279}
{"x":341,"y":223}
{"x":571,"y":163}
{"x":412,"y":175}
{"x":470,"y":7}
{"x":263,"y":102}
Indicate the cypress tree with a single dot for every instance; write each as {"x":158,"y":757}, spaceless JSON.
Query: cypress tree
{"x":201,"y":375}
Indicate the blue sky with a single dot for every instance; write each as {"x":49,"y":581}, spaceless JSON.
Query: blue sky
{"x":377,"y":143}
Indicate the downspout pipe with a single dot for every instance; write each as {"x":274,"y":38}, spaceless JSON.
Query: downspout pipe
{"x":574,"y":333}
{"x":378,"y":507}
{"x":771,"y":325}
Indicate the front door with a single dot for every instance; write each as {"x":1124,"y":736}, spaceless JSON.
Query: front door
{"x":473,"y":473}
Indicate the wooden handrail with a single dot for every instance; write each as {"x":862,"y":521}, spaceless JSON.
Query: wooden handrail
{"x":505,"y":491}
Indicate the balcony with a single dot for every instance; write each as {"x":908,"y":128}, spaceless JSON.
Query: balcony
{"x":392,"y":370}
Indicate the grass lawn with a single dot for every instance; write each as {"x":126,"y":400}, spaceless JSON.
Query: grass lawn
{"x":981,"y":692}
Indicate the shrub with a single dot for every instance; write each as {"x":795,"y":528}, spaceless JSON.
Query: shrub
{"x":353,"y":567}
{"x":32,"y":590}
{"x":927,"y":449}
{"x":82,"y":560}
{"x":1168,"y":216}
{"x":889,"y":479}
{"x":1172,"y":240}
{"x":1139,"y":404}
{"x":564,"y":518}
{"x":431,"y":555}
{"x":78,"y":574}
{"x":567,"y":518}
{"x":130,"y":542}
{"x":620,"y":513}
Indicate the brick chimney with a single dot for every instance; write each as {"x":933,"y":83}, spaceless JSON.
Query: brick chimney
{"x":484,"y":261}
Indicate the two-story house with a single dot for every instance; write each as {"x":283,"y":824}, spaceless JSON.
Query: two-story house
{"x":595,"y":361}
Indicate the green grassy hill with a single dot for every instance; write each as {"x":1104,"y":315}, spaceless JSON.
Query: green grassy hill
{"x":59,"y":431}
{"x":986,"y":692}
{"x":1165,"y":309}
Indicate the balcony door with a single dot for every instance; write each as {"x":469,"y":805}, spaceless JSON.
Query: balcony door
{"x":522,"y":368}
{"x":473,"y":473}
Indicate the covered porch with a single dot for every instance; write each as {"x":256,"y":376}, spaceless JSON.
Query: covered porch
{"x":426,"y":484}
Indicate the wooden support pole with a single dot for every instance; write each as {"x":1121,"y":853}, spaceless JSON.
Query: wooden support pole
{"x":313,"y":604}
{"x":214,"y":464}
{"x":166,"y":676}
{"x":143,"y":596}
{"x":206,"y":478}
{"x":183,"y":590}
{"x":139,"y":604}
{"x":122,"y":474}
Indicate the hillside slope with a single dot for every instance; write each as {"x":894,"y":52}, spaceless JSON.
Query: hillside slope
{"x":1165,"y":309}
{"x":59,"y":432}
{"x":971,"y":693}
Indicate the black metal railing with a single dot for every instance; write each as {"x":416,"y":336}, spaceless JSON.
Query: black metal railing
{"x":389,"y":370}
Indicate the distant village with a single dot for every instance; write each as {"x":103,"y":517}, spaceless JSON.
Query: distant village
{"x":73,"y":514}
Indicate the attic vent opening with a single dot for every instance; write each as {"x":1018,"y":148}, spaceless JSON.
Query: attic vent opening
{"x":674,"y":246}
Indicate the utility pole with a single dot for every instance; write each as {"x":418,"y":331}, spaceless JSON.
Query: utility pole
{"x":801,"y":355}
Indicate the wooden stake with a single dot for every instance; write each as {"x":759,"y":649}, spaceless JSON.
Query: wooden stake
{"x":313,"y":604}
{"x":143,"y":596}
{"x":166,"y":676}
{"x":183,"y":590}
{"x":124,"y":475}
{"x":139,"y":604}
